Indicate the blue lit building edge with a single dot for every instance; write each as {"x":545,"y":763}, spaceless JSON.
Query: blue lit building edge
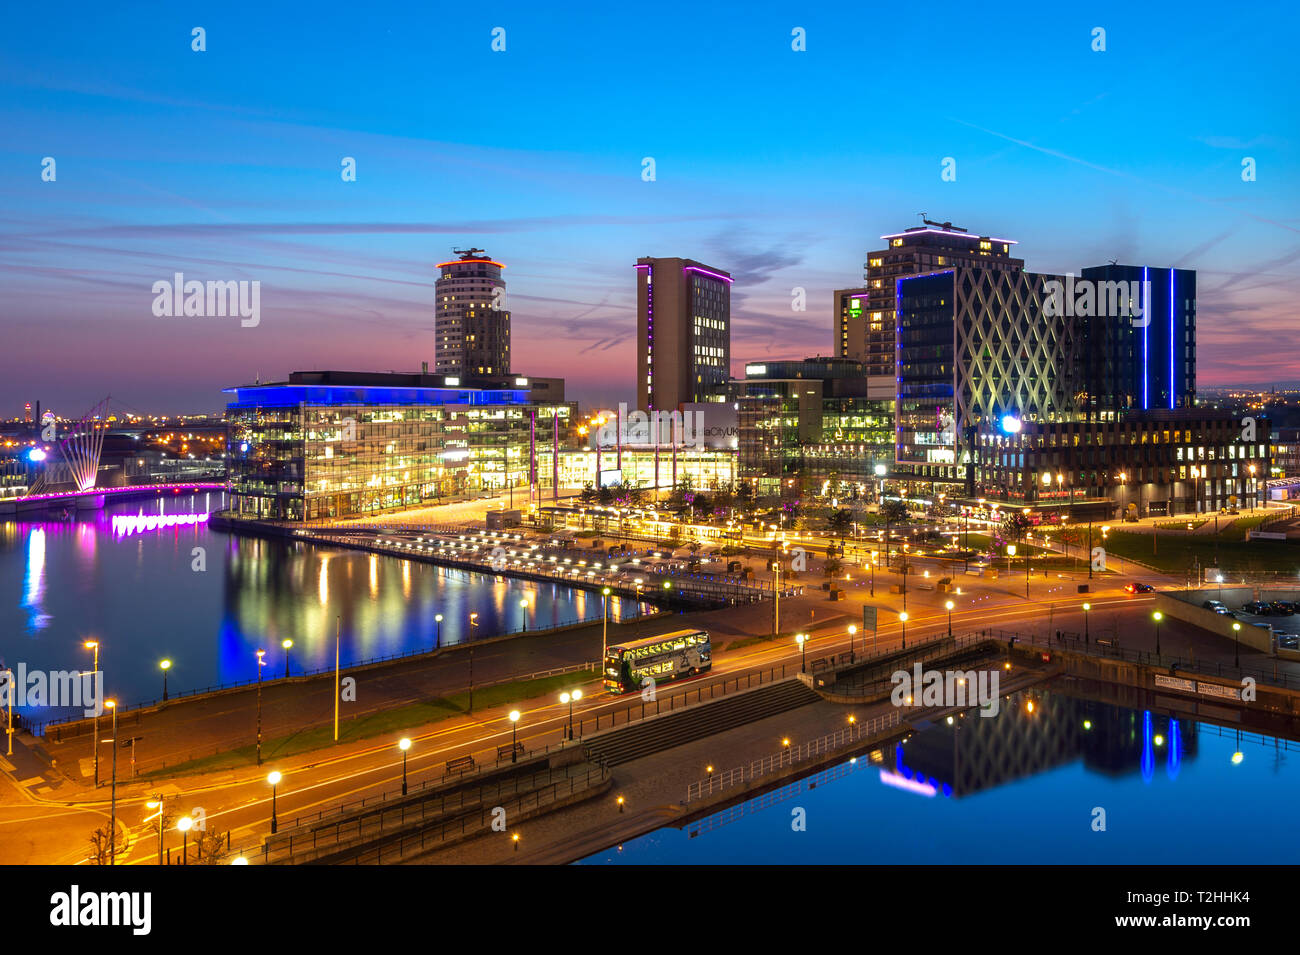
{"x":291,"y":396}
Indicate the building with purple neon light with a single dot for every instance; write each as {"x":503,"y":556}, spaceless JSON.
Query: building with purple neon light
{"x":683,"y":316}
{"x":868,"y":335}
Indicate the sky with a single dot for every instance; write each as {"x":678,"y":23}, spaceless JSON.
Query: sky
{"x":783,"y":167}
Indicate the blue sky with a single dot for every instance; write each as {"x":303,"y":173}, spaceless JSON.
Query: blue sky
{"x":783,"y":167}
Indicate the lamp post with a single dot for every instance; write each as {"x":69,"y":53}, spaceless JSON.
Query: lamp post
{"x":571,"y":698}
{"x":514,"y":736}
{"x":604,"y":623}
{"x":852,"y":630}
{"x":185,"y":824}
{"x":273,"y":778}
{"x":473,"y":622}
{"x":287,"y":644}
{"x":949,"y":605}
{"x":404,"y":744}
{"x":260,"y":655}
{"x":9,"y":700}
{"x":93,"y":645}
{"x":157,"y":803}
{"x":437,"y":638}
{"x":902,"y":619}
{"x":338,"y":626}
{"x":165,"y":665}
{"x":1254,"y":488}
{"x":1157,"y":617}
{"x":802,"y":640}
{"x":112,"y":812}
{"x":1086,"y":634}
{"x":523,"y":606}
{"x":1236,"y":645}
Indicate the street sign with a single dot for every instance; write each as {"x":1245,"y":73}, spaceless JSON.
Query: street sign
{"x":869,"y":618}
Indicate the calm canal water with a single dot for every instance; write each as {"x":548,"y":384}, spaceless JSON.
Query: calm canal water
{"x":1021,"y":787}
{"x":125,"y":576}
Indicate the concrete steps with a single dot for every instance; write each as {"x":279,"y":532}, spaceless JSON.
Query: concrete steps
{"x":657,"y":735}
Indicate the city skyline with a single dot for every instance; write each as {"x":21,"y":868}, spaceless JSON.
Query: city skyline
{"x":771,"y":184}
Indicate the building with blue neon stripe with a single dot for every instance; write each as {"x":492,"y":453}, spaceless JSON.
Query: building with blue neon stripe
{"x":331,"y":444}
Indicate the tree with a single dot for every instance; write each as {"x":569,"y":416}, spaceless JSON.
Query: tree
{"x":1015,"y":525}
{"x":104,"y":842}
{"x":211,"y":847}
{"x":587,"y":495}
{"x":894,"y":512}
{"x":832,"y":567}
{"x":840,"y":523}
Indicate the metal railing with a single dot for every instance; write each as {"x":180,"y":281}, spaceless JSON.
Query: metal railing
{"x":311,"y":836}
{"x":398,"y":843}
{"x":1090,"y":646}
{"x":790,"y":755}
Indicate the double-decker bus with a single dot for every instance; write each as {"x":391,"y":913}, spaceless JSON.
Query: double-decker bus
{"x":663,"y":658}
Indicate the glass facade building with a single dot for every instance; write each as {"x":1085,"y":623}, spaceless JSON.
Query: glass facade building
{"x":810,"y":419}
{"x":352,"y":445}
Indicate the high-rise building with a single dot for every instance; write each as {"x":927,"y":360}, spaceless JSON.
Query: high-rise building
{"x":923,"y":248}
{"x":683,"y":313}
{"x":1137,"y":338}
{"x":472,"y":324}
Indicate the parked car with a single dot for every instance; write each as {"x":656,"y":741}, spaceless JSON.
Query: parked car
{"x":1215,"y":605}
{"x":1256,"y":607}
{"x":1283,"y":608}
{"x":1137,"y":587}
{"x":1226,"y":612}
{"x":1288,"y":641}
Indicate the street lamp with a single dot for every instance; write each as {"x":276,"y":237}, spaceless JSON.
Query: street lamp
{"x":437,"y":639}
{"x":1236,"y":645}
{"x":852,"y":630}
{"x":1086,"y":634}
{"x":902,"y":618}
{"x":1157,"y":617}
{"x":571,"y":698}
{"x":260,"y":661}
{"x":287,"y":644}
{"x":949,"y":605}
{"x":404,"y":744}
{"x":273,"y":778}
{"x":185,"y":824}
{"x":523,"y":606}
{"x":604,"y":622}
{"x":514,"y":727}
{"x":112,"y":818}
{"x":93,"y":645}
{"x":157,"y":803}
{"x":802,"y":640}
{"x":165,"y":665}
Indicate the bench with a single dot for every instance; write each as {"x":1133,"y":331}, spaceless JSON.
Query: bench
{"x":504,"y":751}
{"x":461,"y":764}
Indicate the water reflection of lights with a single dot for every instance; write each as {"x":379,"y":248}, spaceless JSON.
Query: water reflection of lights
{"x":908,"y":785}
{"x":34,"y":581}
{"x":126,"y":524}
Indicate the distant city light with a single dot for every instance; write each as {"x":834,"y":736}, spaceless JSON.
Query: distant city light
{"x":1010,"y":424}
